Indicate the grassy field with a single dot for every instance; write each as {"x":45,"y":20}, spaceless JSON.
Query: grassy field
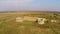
{"x":8,"y":24}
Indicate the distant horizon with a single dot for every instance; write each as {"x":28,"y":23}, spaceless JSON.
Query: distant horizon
{"x":30,"y":10}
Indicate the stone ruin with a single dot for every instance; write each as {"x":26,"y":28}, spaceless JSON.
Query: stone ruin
{"x":19,"y":19}
{"x":41,"y":20}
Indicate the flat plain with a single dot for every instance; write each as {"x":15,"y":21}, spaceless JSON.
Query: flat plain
{"x":8,"y":24}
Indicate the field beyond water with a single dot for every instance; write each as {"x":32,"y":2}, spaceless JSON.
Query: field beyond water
{"x":8,"y":24}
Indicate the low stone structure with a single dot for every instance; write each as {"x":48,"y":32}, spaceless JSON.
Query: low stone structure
{"x":28,"y":18}
{"x":25,"y":18}
{"x":41,"y":20}
{"x":54,"y":20}
{"x":19,"y":19}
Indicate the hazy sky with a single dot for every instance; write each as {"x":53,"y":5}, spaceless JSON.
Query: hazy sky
{"x":51,"y":5}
